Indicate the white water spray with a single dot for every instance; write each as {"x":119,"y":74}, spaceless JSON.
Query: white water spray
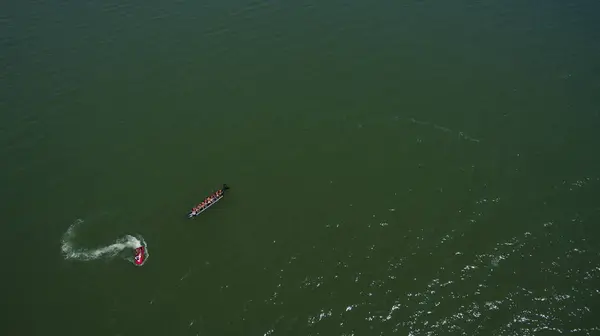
{"x":110,"y":251}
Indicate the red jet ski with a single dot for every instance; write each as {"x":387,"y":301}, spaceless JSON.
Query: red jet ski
{"x":140,"y":256}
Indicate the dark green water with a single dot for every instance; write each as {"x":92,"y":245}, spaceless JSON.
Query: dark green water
{"x":397,"y":168}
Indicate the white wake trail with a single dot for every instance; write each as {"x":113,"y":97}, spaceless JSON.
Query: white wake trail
{"x":110,"y":251}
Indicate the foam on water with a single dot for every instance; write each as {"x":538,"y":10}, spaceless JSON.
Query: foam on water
{"x":541,"y":279}
{"x":70,"y":252}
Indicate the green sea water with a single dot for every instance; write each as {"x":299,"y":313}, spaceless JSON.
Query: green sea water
{"x":396,"y":168}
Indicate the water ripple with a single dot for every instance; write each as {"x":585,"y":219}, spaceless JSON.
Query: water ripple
{"x":493,"y":291}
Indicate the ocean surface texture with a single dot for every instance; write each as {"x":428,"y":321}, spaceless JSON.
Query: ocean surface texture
{"x":411,"y":168}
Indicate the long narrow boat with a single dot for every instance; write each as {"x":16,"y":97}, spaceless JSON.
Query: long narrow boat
{"x":208,"y":202}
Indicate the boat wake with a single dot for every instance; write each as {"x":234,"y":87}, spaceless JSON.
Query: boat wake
{"x":106,"y":252}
